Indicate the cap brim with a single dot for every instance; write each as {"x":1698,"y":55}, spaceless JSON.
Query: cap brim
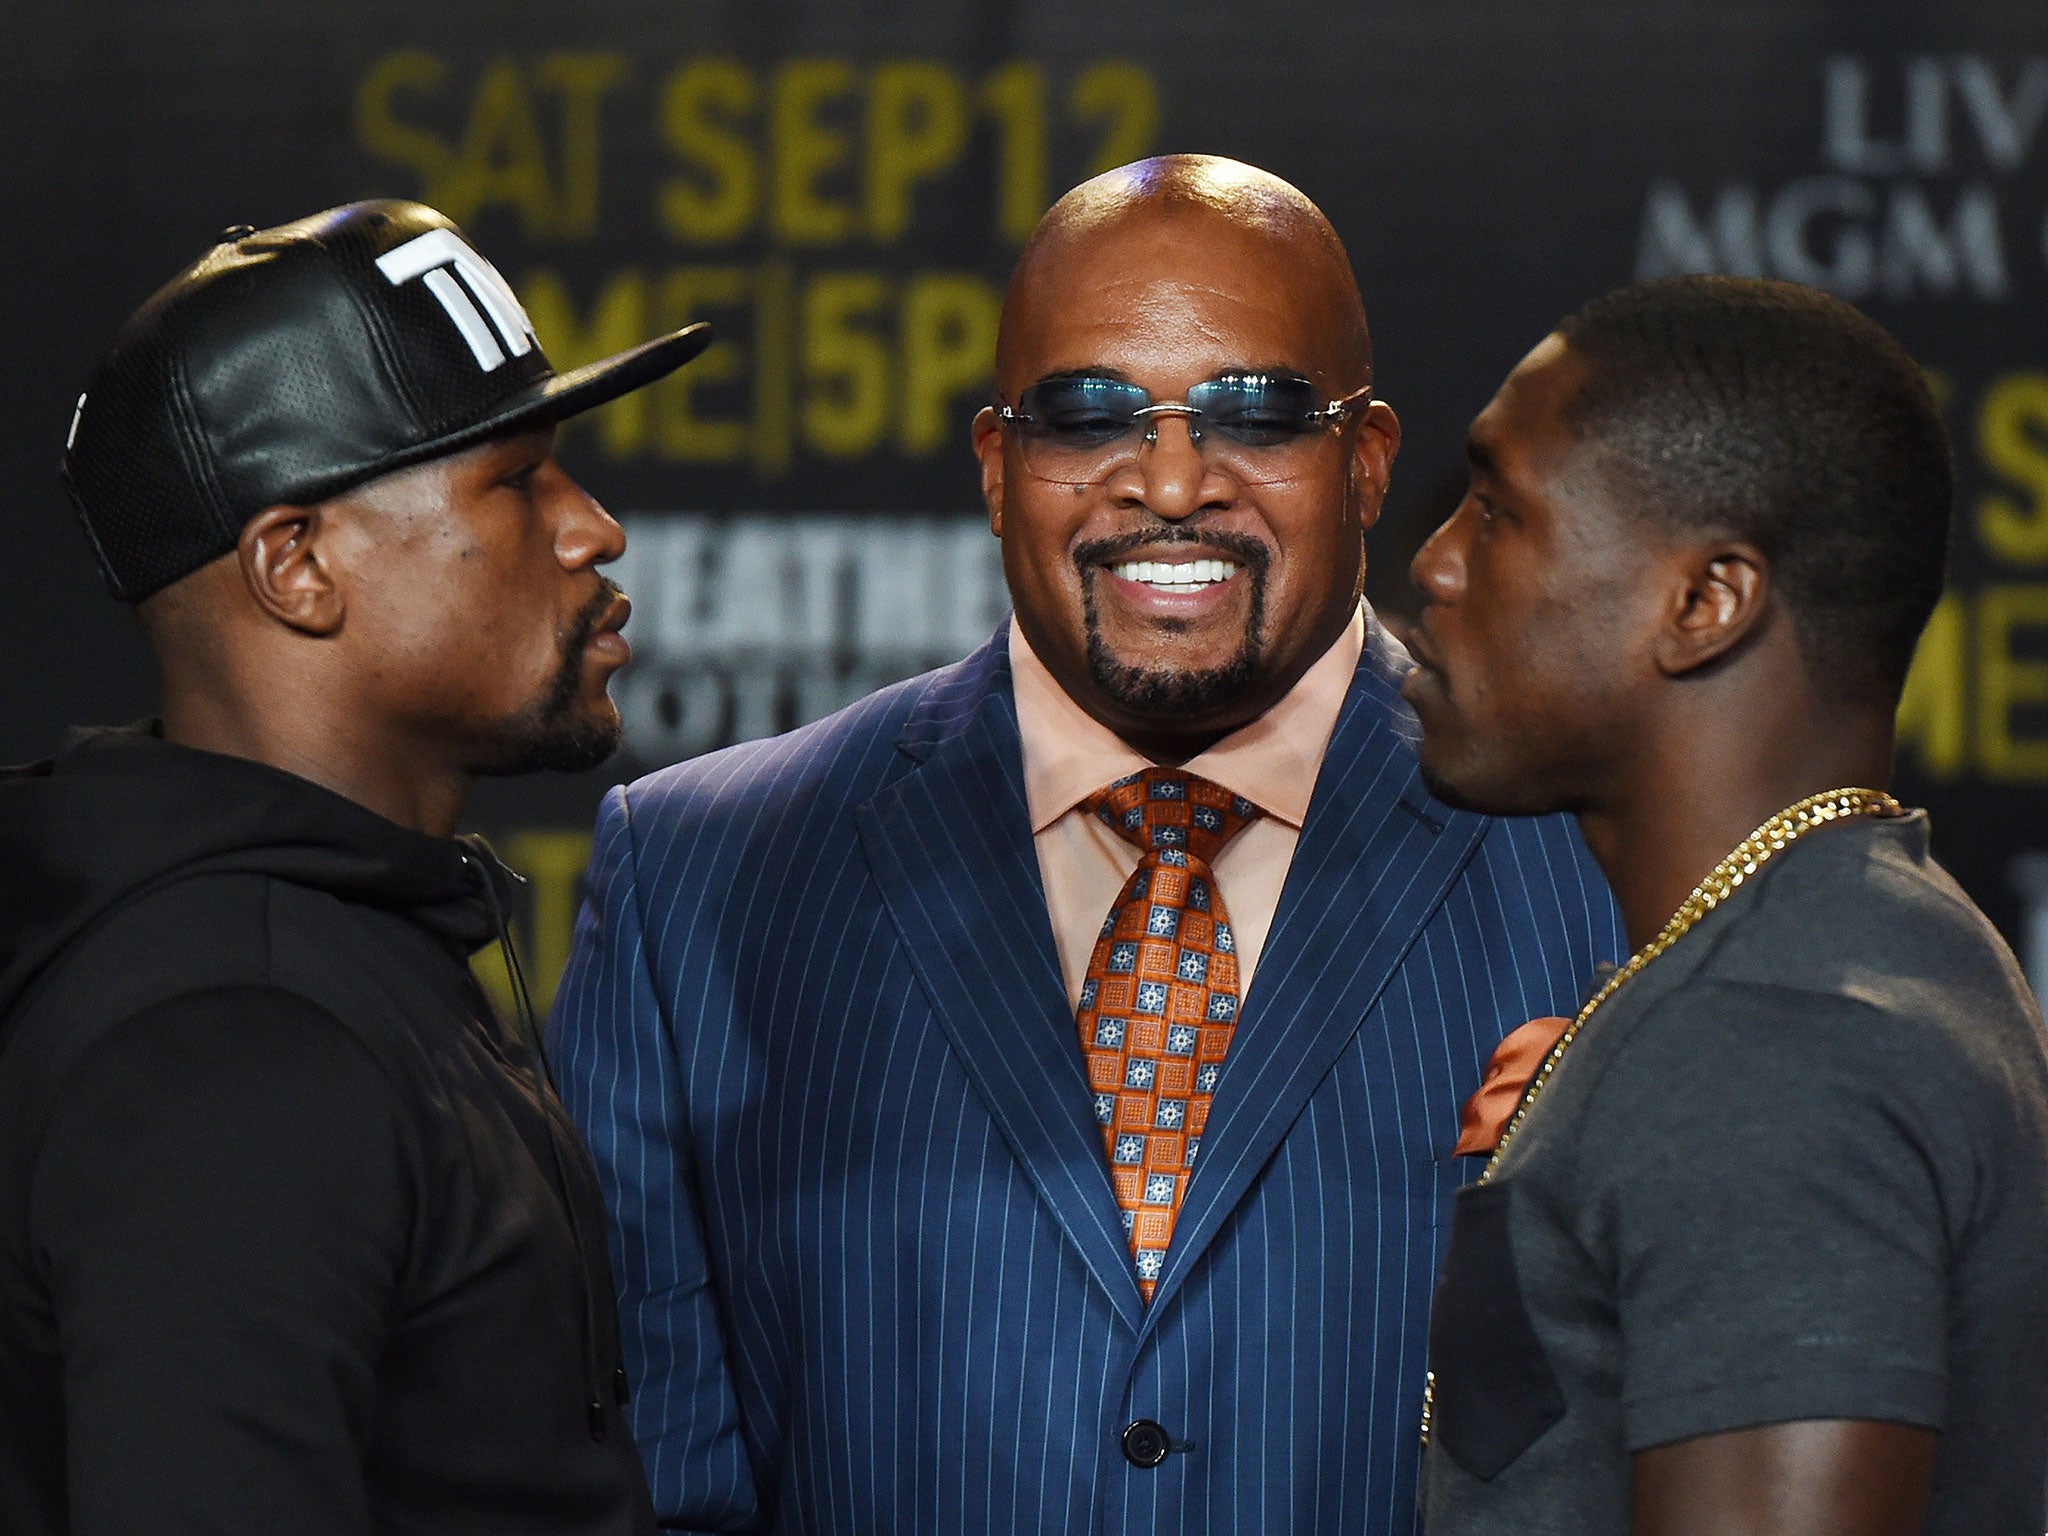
{"x":554,"y":399}
{"x":582,"y":389}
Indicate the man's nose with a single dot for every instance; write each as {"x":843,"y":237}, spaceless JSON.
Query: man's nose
{"x":1171,"y":476}
{"x":585,"y":534}
{"x":1438,"y":568}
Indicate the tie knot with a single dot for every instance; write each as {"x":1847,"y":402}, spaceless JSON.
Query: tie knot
{"x":1166,"y":812}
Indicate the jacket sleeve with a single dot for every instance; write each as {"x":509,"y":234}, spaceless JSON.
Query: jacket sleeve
{"x":616,"y":1063}
{"x":220,"y":1208}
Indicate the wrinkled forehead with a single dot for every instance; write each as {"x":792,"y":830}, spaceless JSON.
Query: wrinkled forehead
{"x":1169,"y":300}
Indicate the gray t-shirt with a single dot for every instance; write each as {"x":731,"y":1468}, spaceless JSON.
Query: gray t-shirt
{"x":1796,"y":1168}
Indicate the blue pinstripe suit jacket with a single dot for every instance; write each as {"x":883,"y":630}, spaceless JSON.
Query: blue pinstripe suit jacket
{"x":872,"y":1275}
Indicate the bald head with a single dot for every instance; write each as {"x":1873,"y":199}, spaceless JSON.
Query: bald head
{"x":1196,"y":211}
{"x":1183,"y":277}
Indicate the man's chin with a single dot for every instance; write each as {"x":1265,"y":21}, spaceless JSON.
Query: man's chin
{"x":1468,"y":790}
{"x":1177,"y":695}
{"x":1448,"y":791}
{"x":1177,"y":671}
{"x":552,"y":744}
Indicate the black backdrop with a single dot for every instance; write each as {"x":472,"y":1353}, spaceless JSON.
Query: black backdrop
{"x":841,"y":187}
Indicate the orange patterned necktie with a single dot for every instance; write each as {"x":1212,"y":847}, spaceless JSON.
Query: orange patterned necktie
{"x":1160,"y":999}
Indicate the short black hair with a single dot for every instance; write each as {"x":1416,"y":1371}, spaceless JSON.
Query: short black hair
{"x":1784,"y":417}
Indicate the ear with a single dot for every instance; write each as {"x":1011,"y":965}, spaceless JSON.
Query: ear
{"x":988,"y":448}
{"x":284,"y":566}
{"x":1373,"y":450}
{"x":1725,"y":594}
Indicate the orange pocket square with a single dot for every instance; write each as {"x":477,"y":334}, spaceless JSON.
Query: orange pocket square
{"x":1514,"y":1062}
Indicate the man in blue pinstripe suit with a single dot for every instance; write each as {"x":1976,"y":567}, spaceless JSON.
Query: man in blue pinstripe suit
{"x":876,"y":1251}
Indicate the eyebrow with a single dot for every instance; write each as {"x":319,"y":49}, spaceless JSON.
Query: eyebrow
{"x":1481,"y":457}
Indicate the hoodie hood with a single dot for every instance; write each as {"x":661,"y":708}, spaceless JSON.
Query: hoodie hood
{"x":121,"y":810}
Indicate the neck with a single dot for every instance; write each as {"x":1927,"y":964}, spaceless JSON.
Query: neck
{"x":1171,"y":750}
{"x":1697,"y":790}
{"x":401,"y":785}
{"x":1173,"y":739}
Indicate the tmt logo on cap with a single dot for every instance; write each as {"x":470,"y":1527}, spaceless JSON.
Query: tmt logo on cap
{"x":438,"y":255}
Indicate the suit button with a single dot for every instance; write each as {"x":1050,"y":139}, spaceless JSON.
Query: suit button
{"x":1145,"y":1444}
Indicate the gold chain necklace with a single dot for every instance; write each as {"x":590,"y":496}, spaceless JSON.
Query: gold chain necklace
{"x":1750,"y":855}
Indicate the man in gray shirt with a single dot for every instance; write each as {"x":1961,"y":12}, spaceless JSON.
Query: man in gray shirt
{"x":1764,"y":1246}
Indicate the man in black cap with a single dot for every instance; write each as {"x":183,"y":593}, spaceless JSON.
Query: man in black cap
{"x":293,"y":1234}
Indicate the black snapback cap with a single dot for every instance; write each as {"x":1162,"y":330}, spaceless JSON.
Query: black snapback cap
{"x":289,"y":364}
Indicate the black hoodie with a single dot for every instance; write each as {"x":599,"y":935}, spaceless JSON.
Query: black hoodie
{"x":292,"y":1236}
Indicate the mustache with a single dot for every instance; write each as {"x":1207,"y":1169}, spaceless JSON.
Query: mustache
{"x":584,"y":625}
{"x":575,"y":640}
{"x":1242,"y":547}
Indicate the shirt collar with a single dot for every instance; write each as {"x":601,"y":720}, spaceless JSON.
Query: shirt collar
{"x":1272,"y":762}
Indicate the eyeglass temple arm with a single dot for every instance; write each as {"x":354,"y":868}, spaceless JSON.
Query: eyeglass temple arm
{"x":1337,"y":410}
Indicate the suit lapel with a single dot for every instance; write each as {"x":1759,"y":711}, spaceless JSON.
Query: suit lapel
{"x":951,"y":850}
{"x":1376,"y":856}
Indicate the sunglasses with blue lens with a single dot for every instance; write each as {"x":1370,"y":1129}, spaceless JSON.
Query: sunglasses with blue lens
{"x":1263,"y":428}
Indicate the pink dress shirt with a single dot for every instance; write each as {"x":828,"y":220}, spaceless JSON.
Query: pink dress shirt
{"x":1272,"y":762}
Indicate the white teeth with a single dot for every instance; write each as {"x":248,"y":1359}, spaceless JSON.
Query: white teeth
{"x":1187,"y":576}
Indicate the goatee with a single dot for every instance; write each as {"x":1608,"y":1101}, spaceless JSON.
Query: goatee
{"x":1155,"y":692}
{"x":559,"y":732}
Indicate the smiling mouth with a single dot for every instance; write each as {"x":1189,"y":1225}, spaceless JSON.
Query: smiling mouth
{"x":1182,"y":577}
